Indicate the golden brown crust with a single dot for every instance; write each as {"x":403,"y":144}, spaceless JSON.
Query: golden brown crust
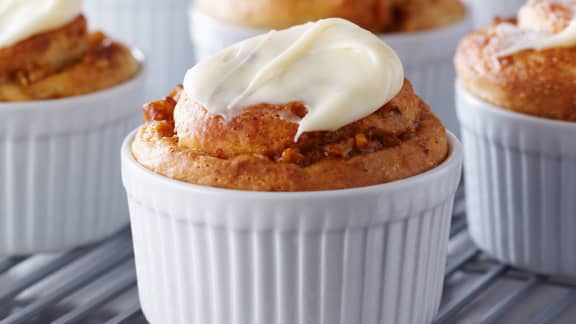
{"x":63,"y":63}
{"x":538,"y":83}
{"x":375,"y":15}
{"x":269,"y":129}
{"x":383,"y":147}
{"x":45,"y":53}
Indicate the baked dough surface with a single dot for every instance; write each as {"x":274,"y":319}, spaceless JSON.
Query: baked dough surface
{"x":256,"y":151}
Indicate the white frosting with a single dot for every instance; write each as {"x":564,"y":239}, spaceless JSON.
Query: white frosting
{"x":341,"y":72}
{"x":20,"y":19}
{"x":514,"y":39}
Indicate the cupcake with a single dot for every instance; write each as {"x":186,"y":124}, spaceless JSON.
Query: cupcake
{"x":517,"y":108}
{"x":65,"y":98}
{"x":295,"y":177}
{"x":425,"y":33}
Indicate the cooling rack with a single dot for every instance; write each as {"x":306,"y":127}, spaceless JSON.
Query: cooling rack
{"x":97,"y":284}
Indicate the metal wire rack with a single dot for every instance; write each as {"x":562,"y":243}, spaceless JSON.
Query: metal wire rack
{"x":97,"y":284}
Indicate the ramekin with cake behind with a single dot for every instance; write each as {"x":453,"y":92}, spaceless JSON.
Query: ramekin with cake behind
{"x":66,"y":98}
{"x":425,"y":33}
{"x":517,"y":107}
{"x":294,"y":178}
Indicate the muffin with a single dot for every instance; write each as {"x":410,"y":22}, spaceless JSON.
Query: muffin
{"x":425,"y":33}
{"x":64,"y":93}
{"x":297,"y":168}
{"x":517,"y":108}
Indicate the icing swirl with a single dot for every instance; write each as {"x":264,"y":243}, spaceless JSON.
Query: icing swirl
{"x":339,"y":71}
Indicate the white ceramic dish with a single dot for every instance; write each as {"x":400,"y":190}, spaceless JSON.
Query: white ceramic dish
{"x":427,"y":56}
{"x":521,"y":186}
{"x":159,"y":28}
{"x":486,"y":10}
{"x":367,"y":255}
{"x":59,"y":168}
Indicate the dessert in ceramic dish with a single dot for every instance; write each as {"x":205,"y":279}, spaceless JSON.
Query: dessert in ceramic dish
{"x":517,"y":108}
{"x":66,"y":101}
{"x":425,"y":33}
{"x":154,"y":25}
{"x":298,"y":168}
{"x":64,"y":62}
{"x":401,"y":139}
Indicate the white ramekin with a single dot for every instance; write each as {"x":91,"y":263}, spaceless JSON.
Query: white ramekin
{"x":486,"y":10}
{"x":158,"y":27}
{"x":368,"y":255}
{"x":427,"y":56}
{"x":521,"y":186}
{"x":60,"y":168}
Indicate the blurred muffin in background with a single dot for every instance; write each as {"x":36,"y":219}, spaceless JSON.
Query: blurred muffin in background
{"x":67,"y":97}
{"x":425,"y":33}
{"x":60,"y":62}
{"x":375,"y":15}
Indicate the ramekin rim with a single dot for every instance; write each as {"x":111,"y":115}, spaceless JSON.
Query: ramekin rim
{"x":454,"y":159}
{"x":81,"y":99}
{"x":491,"y":108}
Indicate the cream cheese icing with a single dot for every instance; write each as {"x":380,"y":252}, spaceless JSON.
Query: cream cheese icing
{"x":339,"y":71}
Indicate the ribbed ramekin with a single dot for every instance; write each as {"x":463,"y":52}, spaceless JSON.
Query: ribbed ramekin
{"x":486,"y":10}
{"x":521,"y":186}
{"x":59,"y":169}
{"x":371,"y":255}
{"x":427,"y":56}
{"x":158,"y":27}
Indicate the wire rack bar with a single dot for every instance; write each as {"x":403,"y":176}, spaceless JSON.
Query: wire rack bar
{"x":448,"y":312}
{"x":111,"y":263}
{"x":97,"y":269}
{"x":10,"y":292}
{"x":125,"y":280}
{"x":130,"y":314}
{"x":499,"y":309}
{"x":9,"y":263}
{"x":58,"y":263}
{"x":554,"y":310}
{"x":461,"y":262}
